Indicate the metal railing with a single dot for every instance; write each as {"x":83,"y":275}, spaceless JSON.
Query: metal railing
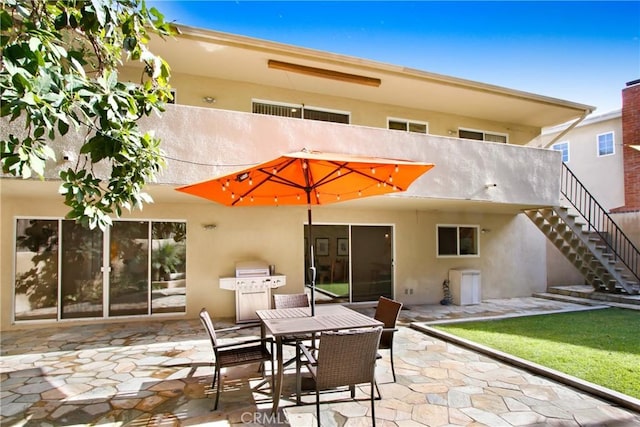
{"x":599,"y":221}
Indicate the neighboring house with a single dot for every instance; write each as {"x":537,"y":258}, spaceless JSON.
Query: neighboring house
{"x":602,"y":152}
{"x":242,"y":101}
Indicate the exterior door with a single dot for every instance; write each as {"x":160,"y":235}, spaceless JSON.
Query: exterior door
{"x":371,"y":262}
{"x":129,"y":268}
{"x":81,"y":272}
{"x":354,"y":262}
{"x":66,"y":271}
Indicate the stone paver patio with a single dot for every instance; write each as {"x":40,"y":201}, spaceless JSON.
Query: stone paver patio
{"x":159,"y":374}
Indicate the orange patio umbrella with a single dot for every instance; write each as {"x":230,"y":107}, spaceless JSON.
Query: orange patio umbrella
{"x":311,"y":178}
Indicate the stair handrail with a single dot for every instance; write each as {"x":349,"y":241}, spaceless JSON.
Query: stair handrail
{"x":600,"y":221}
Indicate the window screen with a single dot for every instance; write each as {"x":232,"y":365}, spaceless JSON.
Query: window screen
{"x":605,"y":144}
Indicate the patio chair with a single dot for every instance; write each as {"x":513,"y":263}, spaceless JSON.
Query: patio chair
{"x":293,"y":301}
{"x":387,"y":312}
{"x":236,"y":354}
{"x":344,"y":358}
{"x":290,"y":300}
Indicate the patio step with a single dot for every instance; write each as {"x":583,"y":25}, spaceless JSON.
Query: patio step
{"x":566,"y":298}
{"x":587,"y":296}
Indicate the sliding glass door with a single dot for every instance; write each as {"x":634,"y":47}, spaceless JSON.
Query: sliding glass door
{"x":81,"y":272}
{"x":331,"y":261}
{"x":371,"y":263}
{"x":353,"y":262}
{"x":65,"y":271}
{"x":129,"y":268}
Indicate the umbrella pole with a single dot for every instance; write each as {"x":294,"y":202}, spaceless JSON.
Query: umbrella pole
{"x":312,"y":262}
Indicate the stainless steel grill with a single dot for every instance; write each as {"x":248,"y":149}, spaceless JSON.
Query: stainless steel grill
{"x":252,"y":285}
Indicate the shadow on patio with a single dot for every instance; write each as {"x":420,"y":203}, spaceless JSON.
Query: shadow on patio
{"x":159,"y":373}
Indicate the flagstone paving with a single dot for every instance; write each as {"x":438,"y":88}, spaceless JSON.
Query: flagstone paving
{"x":159,"y":374}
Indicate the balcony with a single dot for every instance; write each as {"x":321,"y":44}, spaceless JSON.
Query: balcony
{"x":489,"y":177}
{"x":477,"y":173}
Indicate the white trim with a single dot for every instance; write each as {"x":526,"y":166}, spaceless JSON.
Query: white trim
{"x":302,"y":107}
{"x":458,"y":226}
{"x":326,"y":110}
{"x":408,"y":122}
{"x":349,"y":225}
{"x":566,"y":141}
{"x":484,"y":133}
{"x":278,"y":103}
{"x":106,"y":236}
{"x":613,"y":143}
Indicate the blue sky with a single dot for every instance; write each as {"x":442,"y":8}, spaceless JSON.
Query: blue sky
{"x":578,"y":51}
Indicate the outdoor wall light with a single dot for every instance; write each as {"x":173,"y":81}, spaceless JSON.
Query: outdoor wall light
{"x":209,"y":226}
{"x":67,"y":156}
{"x":242,"y":176}
{"x":485,"y":230}
{"x":487,"y":186}
{"x":209,"y":99}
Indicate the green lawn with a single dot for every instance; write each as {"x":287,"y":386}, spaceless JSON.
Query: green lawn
{"x":334,"y":289}
{"x":599,"y":346}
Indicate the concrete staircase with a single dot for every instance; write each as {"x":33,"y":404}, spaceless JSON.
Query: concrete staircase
{"x":586,"y":295}
{"x":585,"y":249}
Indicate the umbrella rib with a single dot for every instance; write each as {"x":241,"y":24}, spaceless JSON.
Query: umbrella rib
{"x":309,"y":185}
{"x":351,"y":170}
{"x":270,"y":176}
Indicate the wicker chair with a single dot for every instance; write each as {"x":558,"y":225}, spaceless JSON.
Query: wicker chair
{"x":236,"y":354}
{"x":292,"y":301}
{"x":387,"y":312}
{"x":344,"y":358}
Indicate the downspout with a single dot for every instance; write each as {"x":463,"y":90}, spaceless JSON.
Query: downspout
{"x":569,"y":128}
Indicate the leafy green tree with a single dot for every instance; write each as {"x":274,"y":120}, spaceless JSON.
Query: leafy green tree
{"x":59,"y":70}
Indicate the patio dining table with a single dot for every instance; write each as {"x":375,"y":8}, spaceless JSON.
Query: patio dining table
{"x":299,"y":321}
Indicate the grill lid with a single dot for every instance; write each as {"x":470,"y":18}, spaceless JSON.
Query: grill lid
{"x":252,"y":268}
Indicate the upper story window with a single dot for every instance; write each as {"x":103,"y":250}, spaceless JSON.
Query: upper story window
{"x":300,"y":111}
{"x":563,"y":147}
{"x":605,"y":144}
{"x":407,"y":125}
{"x":277,"y":109}
{"x":481,"y":135}
{"x":325,"y":115}
{"x":458,"y":240}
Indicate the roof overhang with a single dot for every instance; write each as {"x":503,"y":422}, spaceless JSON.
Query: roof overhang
{"x":225,"y":56}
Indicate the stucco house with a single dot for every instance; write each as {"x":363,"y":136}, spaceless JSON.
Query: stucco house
{"x":602,"y":152}
{"x":241,"y":101}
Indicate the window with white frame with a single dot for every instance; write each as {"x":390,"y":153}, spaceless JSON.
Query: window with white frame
{"x":606,"y":144}
{"x":407,"y":125}
{"x":563,"y":147}
{"x":300,"y":111}
{"x":457,"y":240}
{"x":277,"y":109}
{"x":481,"y":135}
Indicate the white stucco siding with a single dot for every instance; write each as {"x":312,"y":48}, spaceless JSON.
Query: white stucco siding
{"x":205,"y":140}
{"x":511,"y":257}
{"x":202,"y":143}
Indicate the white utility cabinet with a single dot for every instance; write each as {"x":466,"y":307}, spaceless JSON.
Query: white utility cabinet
{"x":465,"y":286}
